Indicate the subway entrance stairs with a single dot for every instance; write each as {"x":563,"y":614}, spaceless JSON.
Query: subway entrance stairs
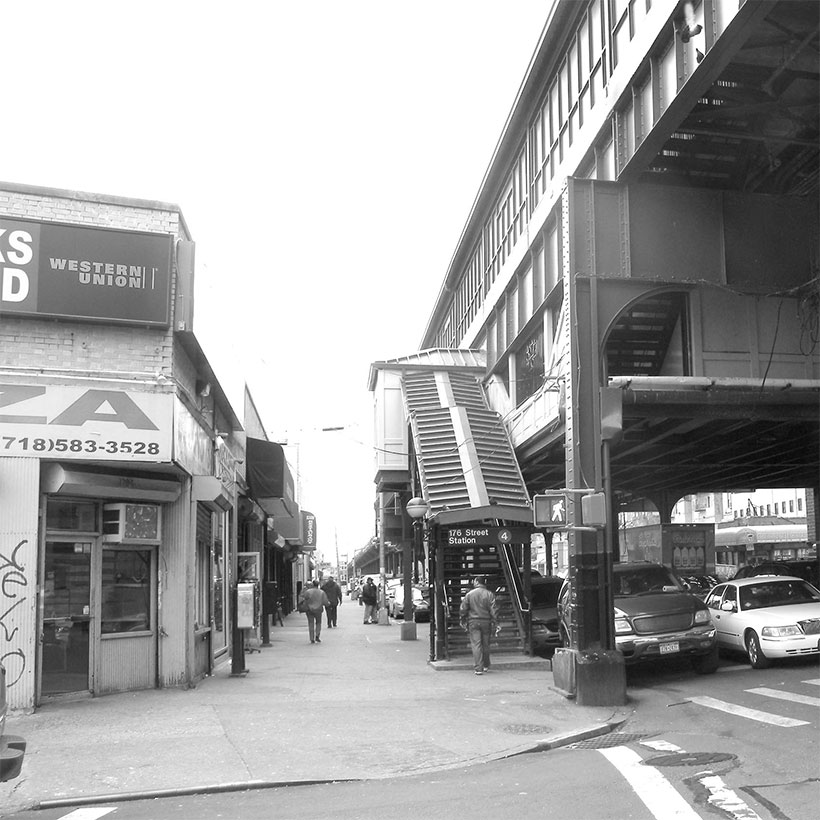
{"x":460,"y":565}
{"x":469,"y":474}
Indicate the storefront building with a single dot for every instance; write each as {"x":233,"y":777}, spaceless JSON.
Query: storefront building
{"x":121,"y":460}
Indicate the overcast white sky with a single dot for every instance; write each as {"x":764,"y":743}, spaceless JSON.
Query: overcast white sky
{"x":325,"y":156}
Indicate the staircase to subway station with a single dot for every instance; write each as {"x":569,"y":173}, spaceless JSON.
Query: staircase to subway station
{"x":460,"y":565}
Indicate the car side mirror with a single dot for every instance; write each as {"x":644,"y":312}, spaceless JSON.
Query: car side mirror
{"x":728,"y":606}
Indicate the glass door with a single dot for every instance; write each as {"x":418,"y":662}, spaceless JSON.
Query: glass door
{"x":66,"y":617}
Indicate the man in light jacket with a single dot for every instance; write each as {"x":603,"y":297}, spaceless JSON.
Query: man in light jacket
{"x":315,"y":602}
{"x":478,"y":614}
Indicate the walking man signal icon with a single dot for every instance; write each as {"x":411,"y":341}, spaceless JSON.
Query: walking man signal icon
{"x":550,"y":510}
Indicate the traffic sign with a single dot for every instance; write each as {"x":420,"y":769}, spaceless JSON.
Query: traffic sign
{"x":550,"y":509}
{"x":486,"y":536}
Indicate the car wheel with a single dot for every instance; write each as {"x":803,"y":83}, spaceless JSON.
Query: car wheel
{"x":756,"y":657}
{"x":706,"y":664}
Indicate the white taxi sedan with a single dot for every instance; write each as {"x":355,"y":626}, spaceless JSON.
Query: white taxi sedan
{"x":768,"y":616}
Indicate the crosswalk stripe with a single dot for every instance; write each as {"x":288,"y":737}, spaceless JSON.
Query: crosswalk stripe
{"x":781,"y":695}
{"x":723,"y":797}
{"x":661,"y":745}
{"x":88,"y":813}
{"x":742,"y":711}
{"x":656,"y":792}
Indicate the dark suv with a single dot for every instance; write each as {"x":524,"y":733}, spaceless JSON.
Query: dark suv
{"x":655,"y":617}
{"x":12,"y":748}
{"x":807,"y":569}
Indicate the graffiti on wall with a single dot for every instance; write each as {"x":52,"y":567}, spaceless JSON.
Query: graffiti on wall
{"x":13,"y":594}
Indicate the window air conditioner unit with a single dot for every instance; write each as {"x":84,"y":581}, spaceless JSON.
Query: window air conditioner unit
{"x":131,"y":523}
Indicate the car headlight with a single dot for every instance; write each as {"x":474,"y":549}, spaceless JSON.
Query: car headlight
{"x":621,"y":622}
{"x":781,"y":631}
{"x":702,"y":616}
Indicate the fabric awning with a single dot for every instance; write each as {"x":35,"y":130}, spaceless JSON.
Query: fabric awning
{"x":269,"y":479}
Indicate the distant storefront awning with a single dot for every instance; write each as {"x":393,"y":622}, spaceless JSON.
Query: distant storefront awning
{"x":299,"y":531}
{"x":210,"y":491}
{"x":269,"y":479}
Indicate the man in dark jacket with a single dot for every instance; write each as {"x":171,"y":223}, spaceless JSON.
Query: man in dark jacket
{"x":369,"y":596}
{"x":334,"y":595}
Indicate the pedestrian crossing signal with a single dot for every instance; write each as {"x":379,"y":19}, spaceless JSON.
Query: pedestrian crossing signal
{"x":550,"y":510}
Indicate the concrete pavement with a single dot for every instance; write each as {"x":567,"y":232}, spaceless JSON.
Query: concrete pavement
{"x":360,"y":704}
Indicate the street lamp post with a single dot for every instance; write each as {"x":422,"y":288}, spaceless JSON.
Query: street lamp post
{"x":416,"y":509}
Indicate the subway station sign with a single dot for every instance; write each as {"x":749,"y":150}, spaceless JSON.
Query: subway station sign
{"x":486,"y":536}
{"x":81,"y":423}
{"x":72,"y":272}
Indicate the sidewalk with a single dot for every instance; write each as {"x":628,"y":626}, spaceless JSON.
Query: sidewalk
{"x":360,"y":704}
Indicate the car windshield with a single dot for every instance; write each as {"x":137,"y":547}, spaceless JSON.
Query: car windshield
{"x":777,"y":593}
{"x":544,"y":595}
{"x":641,"y":580}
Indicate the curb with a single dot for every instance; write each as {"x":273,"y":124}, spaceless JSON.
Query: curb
{"x":223,"y":788}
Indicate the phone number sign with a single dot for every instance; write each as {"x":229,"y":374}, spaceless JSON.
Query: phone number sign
{"x":84,"y":423}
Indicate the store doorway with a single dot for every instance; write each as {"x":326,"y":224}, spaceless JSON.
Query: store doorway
{"x":67,"y":610}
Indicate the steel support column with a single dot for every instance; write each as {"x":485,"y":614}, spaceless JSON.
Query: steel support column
{"x":598,"y":675}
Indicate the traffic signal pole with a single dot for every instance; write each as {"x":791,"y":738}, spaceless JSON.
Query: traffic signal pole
{"x":590,"y":668}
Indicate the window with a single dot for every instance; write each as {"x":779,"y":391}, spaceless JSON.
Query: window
{"x":525,"y":297}
{"x":76,"y":516}
{"x":202,"y":599}
{"x":126,"y":590}
{"x":799,"y":505}
{"x":791,"y":506}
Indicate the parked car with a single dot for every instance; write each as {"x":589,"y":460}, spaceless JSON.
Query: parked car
{"x":807,"y":569}
{"x":12,"y":747}
{"x":544,"y":608}
{"x":655,"y":617}
{"x":421,"y":606}
{"x":766,"y":617}
{"x":699,"y":584}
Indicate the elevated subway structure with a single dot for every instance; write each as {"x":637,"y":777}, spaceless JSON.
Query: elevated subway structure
{"x":640,"y":266}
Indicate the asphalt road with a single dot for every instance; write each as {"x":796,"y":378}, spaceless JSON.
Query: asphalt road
{"x":741,"y":744}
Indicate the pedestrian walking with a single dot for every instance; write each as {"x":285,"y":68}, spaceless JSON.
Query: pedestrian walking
{"x":334,"y":595}
{"x":478,"y":614}
{"x":369,"y":596}
{"x":312,"y":602}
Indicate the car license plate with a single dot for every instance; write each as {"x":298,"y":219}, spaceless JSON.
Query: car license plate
{"x":669,"y":648}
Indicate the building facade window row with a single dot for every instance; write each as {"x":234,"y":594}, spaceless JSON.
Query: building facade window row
{"x":562,"y":120}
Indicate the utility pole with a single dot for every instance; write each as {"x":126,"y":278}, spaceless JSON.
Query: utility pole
{"x":338,"y":566}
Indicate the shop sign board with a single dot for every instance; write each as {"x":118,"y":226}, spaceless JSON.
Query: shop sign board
{"x":481,"y":536}
{"x":62,"y":422}
{"x":309,"y":528}
{"x":72,"y":272}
